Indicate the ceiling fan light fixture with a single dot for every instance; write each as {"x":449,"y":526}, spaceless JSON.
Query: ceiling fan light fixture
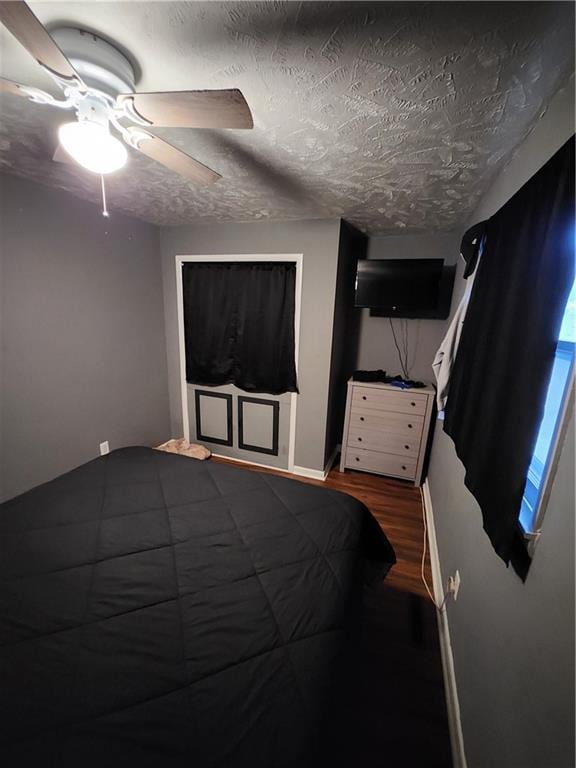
{"x":93,"y":146}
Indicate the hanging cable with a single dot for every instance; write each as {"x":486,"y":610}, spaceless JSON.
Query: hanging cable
{"x":405,"y":346}
{"x":396,"y":344}
{"x":104,"y":208}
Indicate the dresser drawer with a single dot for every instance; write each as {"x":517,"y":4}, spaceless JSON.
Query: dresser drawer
{"x":406,"y":424}
{"x":384,"y":463}
{"x":386,"y":400}
{"x":376,"y":440}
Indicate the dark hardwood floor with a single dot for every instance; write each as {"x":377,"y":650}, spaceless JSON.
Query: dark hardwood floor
{"x":391,"y":712}
{"x":397,"y":506}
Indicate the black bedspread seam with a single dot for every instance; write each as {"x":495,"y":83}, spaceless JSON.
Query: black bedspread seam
{"x":181,"y":593}
{"x":170,"y":507}
{"x":23,"y":530}
{"x":312,"y":539}
{"x":101,"y":620}
{"x":174,"y":566}
{"x":97,"y":542}
{"x":89,"y":563}
{"x":189,"y":684}
{"x":284,"y":642}
{"x":87,"y":521}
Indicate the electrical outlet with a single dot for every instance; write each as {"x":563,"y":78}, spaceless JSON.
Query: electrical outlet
{"x":104,"y":448}
{"x":454,"y":585}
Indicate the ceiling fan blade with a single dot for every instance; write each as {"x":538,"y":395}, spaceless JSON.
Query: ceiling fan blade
{"x":28,"y":30}
{"x":191,"y":109}
{"x":174,"y":159}
{"x":61,"y":156}
{"x":8,"y":86}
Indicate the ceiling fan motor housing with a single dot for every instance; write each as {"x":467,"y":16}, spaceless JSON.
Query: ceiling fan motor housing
{"x":100,"y":64}
{"x":94,"y":109}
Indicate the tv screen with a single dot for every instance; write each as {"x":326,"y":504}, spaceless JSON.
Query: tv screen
{"x":417,"y":288}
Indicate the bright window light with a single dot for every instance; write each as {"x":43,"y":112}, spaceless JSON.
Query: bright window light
{"x":93,"y":146}
{"x":558,"y":389}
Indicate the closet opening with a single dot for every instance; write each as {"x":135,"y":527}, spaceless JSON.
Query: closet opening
{"x":239,"y":326}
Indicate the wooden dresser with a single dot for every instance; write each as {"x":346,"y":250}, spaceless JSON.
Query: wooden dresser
{"x":386,"y":429}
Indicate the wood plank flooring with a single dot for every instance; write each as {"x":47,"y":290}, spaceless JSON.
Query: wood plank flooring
{"x":391,"y":709}
{"x":396,"y":505}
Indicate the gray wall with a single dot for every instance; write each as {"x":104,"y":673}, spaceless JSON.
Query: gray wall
{"x":318,"y":241}
{"x":83,"y":355}
{"x":513,"y":643}
{"x":377,"y":348}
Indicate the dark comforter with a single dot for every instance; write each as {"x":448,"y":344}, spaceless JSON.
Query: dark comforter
{"x":159,"y":611}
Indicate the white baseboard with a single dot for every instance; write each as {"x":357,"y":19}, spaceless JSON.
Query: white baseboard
{"x":318,"y":474}
{"x":315,"y":474}
{"x":253,"y":463}
{"x":452,"y":703}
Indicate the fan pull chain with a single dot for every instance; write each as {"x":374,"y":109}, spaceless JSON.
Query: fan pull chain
{"x":104,"y":208}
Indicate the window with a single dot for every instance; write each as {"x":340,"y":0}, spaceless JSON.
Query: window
{"x":535,"y":491}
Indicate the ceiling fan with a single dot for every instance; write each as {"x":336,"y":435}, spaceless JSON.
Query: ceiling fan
{"x":98,"y":84}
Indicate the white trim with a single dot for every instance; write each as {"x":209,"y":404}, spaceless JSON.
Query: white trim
{"x":182,"y":350}
{"x":299,"y":261}
{"x":314,"y":474}
{"x":252,"y":463}
{"x":450,"y":687}
{"x":561,"y":428}
{"x":318,"y":474}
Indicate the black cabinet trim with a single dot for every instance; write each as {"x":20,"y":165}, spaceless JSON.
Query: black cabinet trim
{"x":275,"y":405}
{"x":218,"y":440}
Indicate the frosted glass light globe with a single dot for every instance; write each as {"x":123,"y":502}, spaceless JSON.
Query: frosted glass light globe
{"x":92,"y":146}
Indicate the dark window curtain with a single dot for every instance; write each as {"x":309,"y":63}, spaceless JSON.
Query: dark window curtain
{"x":501,"y":372}
{"x":239,"y":325}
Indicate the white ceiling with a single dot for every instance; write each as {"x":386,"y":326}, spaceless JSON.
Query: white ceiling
{"x":394,"y":116}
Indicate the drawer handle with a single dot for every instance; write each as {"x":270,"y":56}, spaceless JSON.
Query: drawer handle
{"x":361,"y":418}
{"x":413,"y":404}
{"x":403,"y":466}
{"x":359,"y":439}
{"x":407,"y":447}
{"x":363,"y":397}
{"x":409,"y":426}
{"x":357,"y":458}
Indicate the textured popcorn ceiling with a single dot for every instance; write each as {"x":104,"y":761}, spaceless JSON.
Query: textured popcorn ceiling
{"x":392,"y":115}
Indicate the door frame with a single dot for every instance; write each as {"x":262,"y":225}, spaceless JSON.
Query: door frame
{"x":298,"y":259}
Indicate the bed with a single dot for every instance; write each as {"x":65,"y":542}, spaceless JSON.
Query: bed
{"x":160,"y":611}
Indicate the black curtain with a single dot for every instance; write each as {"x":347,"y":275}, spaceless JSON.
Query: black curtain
{"x":239,"y":325}
{"x":501,"y":372}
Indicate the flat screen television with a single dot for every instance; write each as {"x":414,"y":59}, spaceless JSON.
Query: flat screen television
{"x":415,"y":288}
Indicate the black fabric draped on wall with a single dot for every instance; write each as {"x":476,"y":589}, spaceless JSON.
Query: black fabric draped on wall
{"x":504,"y":361}
{"x":239,"y":324}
